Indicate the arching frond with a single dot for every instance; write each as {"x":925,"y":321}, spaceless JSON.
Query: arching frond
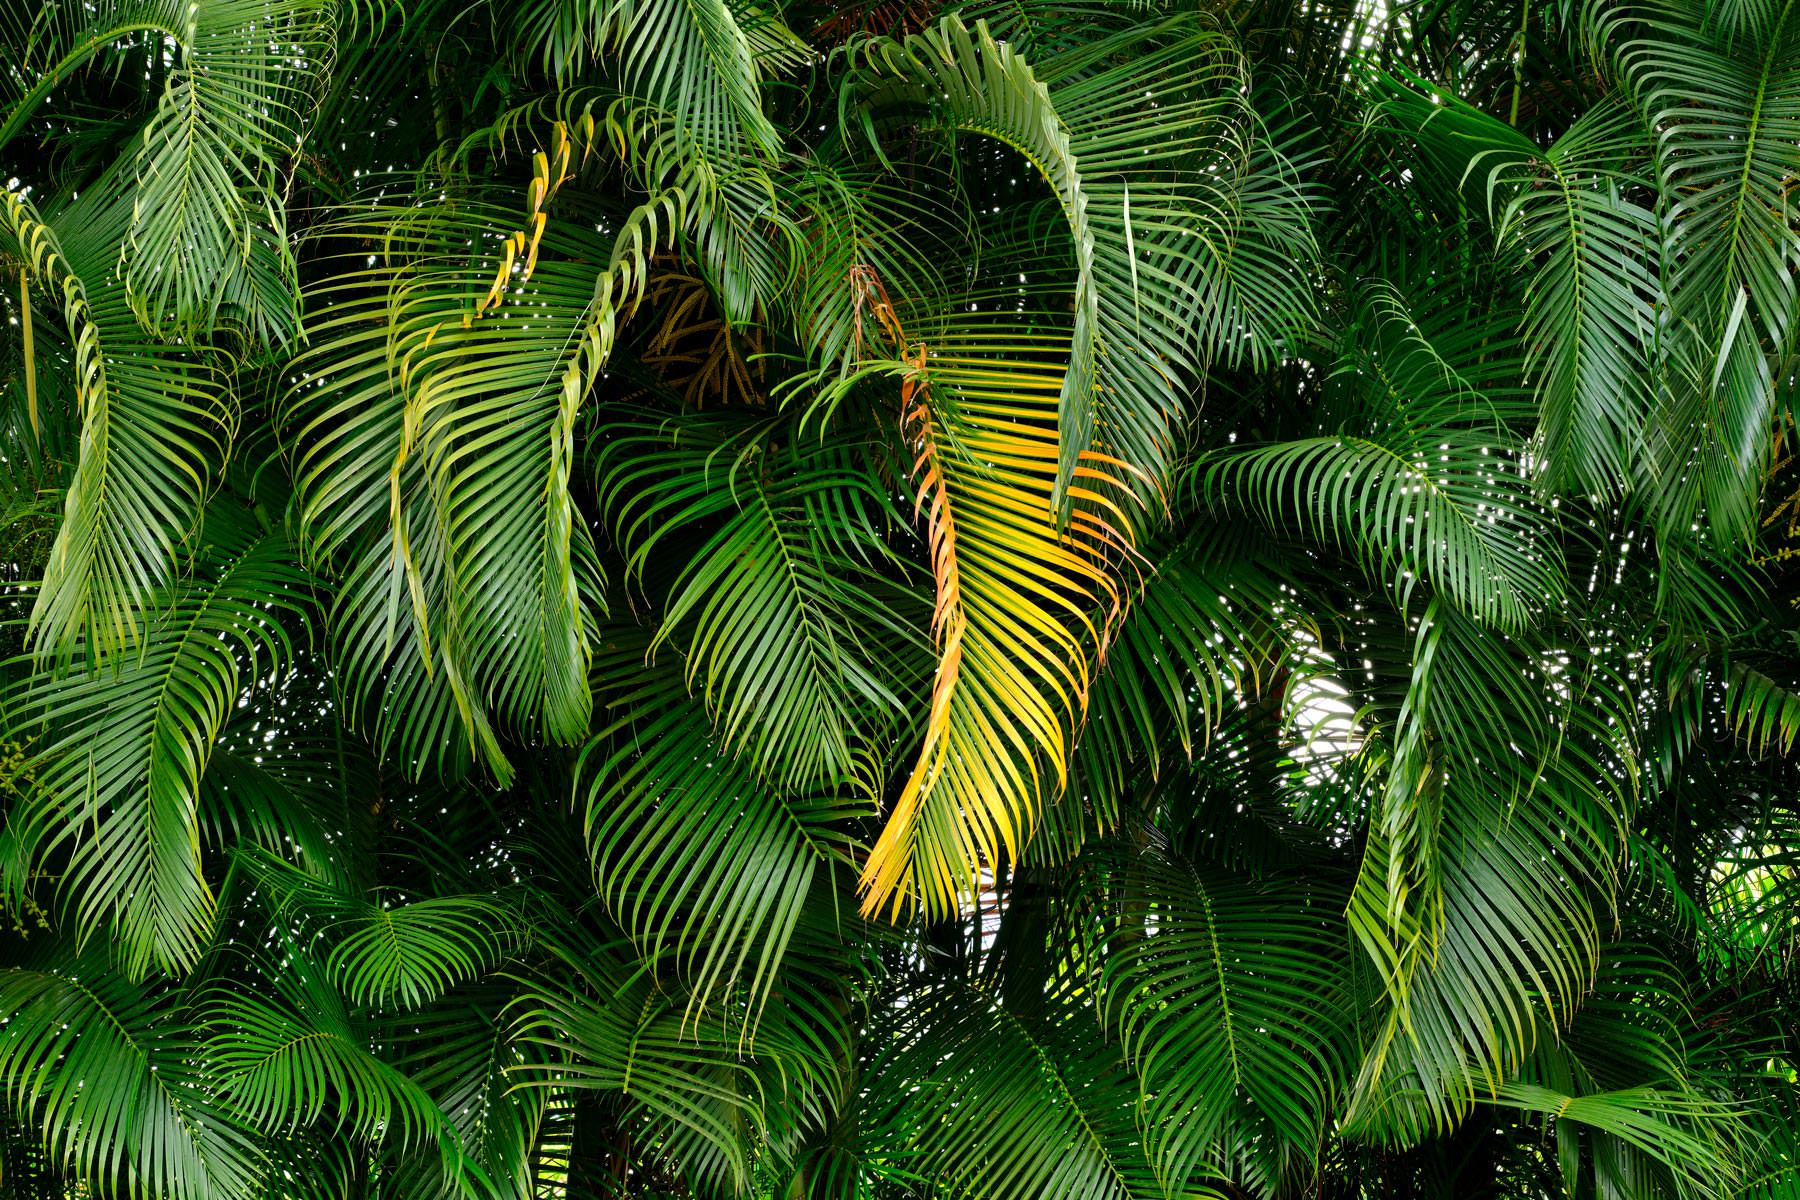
{"x":126,"y":743}
{"x":1725,"y":108}
{"x":1021,"y":607}
{"x":1150,"y":160}
{"x":1425,"y":478}
{"x":290,"y":1058}
{"x":1230,"y":1001}
{"x":610,"y":1030}
{"x":206,"y":239}
{"x":1502,"y":814}
{"x":719,"y":900}
{"x":1765,"y":714}
{"x":995,"y":1103}
{"x":1569,"y":216}
{"x":154,"y":419}
{"x":420,"y":467}
{"x":691,"y":58}
{"x":773,"y":611}
{"x":105,"y":1069}
{"x":390,"y":955}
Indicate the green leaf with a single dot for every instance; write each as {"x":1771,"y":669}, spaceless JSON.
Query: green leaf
{"x":118,"y":771}
{"x":693,"y":855}
{"x":109,"y":1072}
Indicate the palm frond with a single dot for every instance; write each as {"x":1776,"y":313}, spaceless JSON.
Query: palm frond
{"x":1230,"y":1001}
{"x":1502,"y":814}
{"x":994,"y":1103}
{"x":1764,"y":713}
{"x":1148,"y":175}
{"x":419,"y":467}
{"x":720,"y":900}
{"x":118,"y":771}
{"x":206,"y":241}
{"x":690,"y":58}
{"x":1722,"y":103}
{"x":154,"y":418}
{"x":773,"y":612}
{"x":461,"y":1051}
{"x":1569,"y":216}
{"x":110,"y":1074}
{"x":608,"y":1029}
{"x":291,"y":1058}
{"x":1197,"y":643}
{"x":1021,"y":606}
{"x":1668,"y":1127}
{"x":389,"y":955}
{"x":1426,"y":472}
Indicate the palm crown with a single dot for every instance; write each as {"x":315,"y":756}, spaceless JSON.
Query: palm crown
{"x":711,"y":598}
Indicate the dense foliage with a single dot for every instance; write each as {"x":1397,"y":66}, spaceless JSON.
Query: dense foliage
{"x":741,"y":598}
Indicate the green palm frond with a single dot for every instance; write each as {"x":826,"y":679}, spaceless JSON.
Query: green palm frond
{"x":292,"y":1058}
{"x":1197,"y":642}
{"x":1230,"y":1001}
{"x":206,"y":240}
{"x":1723,"y":106}
{"x":467,"y":485}
{"x":1764,"y":713}
{"x":1569,"y":216}
{"x":607,"y":1028}
{"x":461,"y":1051}
{"x":153,"y":419}
{"x":1647,"y":1123}
{"x":419,"y":466}
{"x":1154,"y":179}
{"x":385,"y":954}
{"x":1501,"y":819}
{"x":1425,"y":478}
{"x":720,"y":901}
{"x":109,"y":1073}
{"x":1669,"y":1128}
{"x":691,"y":58}
{"x":773,"y":612}
{"x":126,"y":743}
{"x":990,"y":1102}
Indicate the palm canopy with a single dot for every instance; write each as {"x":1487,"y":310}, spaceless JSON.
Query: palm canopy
{"x":681,"y":598}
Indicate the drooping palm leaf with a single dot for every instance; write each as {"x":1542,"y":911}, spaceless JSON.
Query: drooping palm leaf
{"x":691,"y":58}
{"x":154,"y":418}
{"x":774,"y":610}
{"x":1229,"y":999}
{"x":1475,"y":896}
{"x":109,"y":1074}
{"x":1147,"y":175}
{"x":390,"y":955}
{"x":607,"y":1029}
{"x":1722,"y":103}
{"x":1569,"y":216}
{"x":995,"y":1103}
{"x":1426,"y":470}
{"x":1021,"y":607}
{"x":118,"y":771}
{"x":452,"y":510}
{"x":206,"y":240}
{"x":720,"y":900}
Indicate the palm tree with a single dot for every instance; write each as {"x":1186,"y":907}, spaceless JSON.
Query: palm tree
{"x":705,"y":598}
